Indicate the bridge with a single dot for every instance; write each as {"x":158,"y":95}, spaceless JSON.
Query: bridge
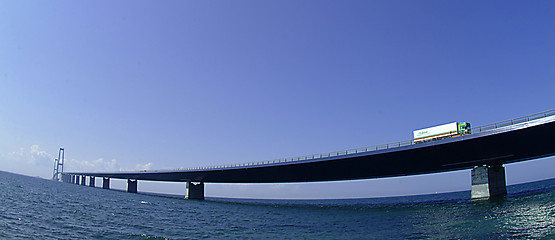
{"x":484,"y":151}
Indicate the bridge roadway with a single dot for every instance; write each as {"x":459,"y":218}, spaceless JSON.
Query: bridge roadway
{"x":519,"y":140}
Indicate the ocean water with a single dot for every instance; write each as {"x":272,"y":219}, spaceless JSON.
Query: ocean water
{"x":34,"y":208}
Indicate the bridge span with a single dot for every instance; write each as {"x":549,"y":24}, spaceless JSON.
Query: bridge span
{"x":484,"y":151}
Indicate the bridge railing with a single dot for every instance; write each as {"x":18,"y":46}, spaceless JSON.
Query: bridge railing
{"x":513,"y":121}
{"x":479,"y":129}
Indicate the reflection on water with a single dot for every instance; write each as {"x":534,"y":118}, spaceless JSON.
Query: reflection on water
{"x":531,"y":218}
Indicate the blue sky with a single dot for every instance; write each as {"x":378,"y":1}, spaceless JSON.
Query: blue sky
{"x":156,"y":85}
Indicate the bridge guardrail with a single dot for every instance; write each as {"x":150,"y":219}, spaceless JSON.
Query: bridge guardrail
{"x":478,"y":129}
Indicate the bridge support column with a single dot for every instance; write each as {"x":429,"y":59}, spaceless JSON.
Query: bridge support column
{"x":488,"y":182}
{"x":77,"y":178}
{"x":73,"y":179}
{"x":91,"y":181}
{"x":105,"y":183}
{"x":131,"y":186}
{"x":83,"y":180}
{"x":194,"y":191}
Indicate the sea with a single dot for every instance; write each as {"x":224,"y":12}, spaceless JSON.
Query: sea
{"x":35,"y":208}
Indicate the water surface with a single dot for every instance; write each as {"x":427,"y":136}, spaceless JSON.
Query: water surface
{"x":34,"y":208}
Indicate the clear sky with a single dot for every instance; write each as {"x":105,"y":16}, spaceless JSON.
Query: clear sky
{"x":138,"y":85}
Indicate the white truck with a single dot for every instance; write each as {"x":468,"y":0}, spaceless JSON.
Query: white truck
{"x":448,"y":130}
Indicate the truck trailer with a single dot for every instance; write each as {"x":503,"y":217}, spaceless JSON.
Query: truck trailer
{"x":448,"y":130}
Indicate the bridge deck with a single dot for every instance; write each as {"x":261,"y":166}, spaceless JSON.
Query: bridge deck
{"x":512,"y":142}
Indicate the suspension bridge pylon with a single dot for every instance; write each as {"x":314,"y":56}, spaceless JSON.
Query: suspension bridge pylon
{"x":58,"y":165}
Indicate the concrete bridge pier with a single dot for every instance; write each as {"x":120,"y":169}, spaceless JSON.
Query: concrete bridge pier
{"x":132,"y":185}
{"x":77,"y":178}
{"x":194,"y":191}
{"x":91,"y":181}
{"x":488,"y":181}
{"x":105,"y":183}
{"x":83,"y":180}
{"x":73,"y":179}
